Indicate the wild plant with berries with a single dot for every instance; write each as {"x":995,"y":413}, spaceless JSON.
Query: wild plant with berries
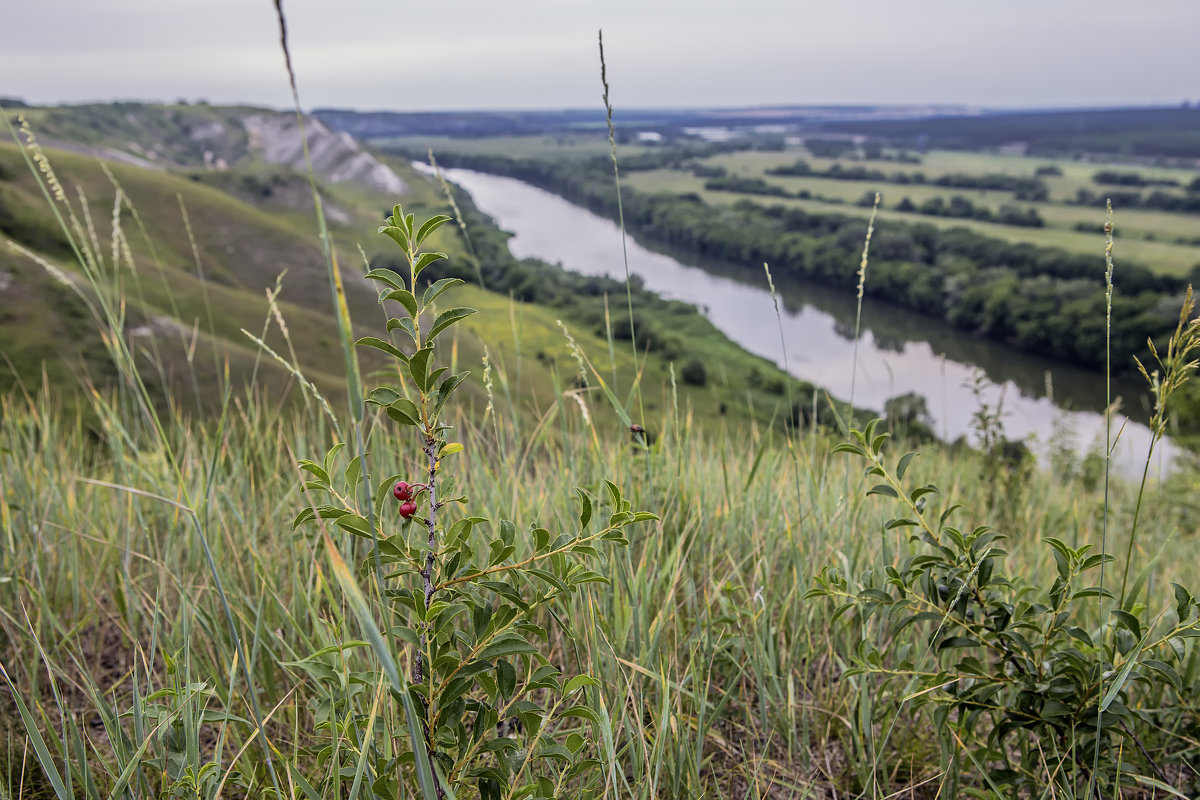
{"x":459,"y":598}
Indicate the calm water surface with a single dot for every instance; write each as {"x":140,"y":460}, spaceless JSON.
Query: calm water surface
{"x":898,"y":352}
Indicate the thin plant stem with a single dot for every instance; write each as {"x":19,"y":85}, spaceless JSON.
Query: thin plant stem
{"x":862,"y":282}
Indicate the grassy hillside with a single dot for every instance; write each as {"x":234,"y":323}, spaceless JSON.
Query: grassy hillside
{"x":198,"y":251}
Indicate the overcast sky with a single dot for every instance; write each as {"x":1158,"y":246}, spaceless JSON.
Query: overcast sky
{"x":467,"y":54}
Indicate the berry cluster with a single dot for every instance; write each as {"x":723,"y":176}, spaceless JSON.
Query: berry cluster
{"x":407,"y":493}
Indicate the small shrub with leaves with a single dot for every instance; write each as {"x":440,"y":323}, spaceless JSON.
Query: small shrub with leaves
{"x":462,"y":598}
{"x":1029,"y":692}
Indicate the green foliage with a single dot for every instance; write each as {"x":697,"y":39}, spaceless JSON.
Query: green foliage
{"x":463,"y":598}
{"x":1022,"y":685}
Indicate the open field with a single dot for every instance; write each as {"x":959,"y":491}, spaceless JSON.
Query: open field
{"x":1161,"y":240}
{"x":1162,"y":255}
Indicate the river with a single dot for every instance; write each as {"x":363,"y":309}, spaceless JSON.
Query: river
{"x":898,"y":351}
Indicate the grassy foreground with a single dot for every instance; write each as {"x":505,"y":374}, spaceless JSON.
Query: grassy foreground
{"x":720,"y":678}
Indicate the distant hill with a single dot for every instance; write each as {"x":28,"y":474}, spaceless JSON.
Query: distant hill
{"x":188,"y":216}
{"x":1172,"y":133}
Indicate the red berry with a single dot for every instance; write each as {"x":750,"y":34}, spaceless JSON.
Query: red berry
{"x":407,"y":509}
{"x":402,"y":491}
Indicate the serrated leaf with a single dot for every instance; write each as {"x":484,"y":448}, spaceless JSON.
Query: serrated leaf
{"x":424,"y":260}
{"x":1129,"y":621}
{"x":448,"y":318}
{"x":405,"y":324}
{"x":581,"y":711}
{"x":585,"y":508}
{"x":506,"y":678}
{"x":396,"y":234}
{"x":418,"y":368}
{"x":385,"y":276}
{"x":1166,"y":670}
{"x":512,"y":644}
{"x":380,"y":344}
{"x":405,"y":298}
{"x":405,"y":412}
{"x":429,"y":226}
{"x":436,"y":289}
{"x":316,"y":469}
{"x":578,"y":682}
{"x":354,"y":524}
{"x":448,"y":386}
{"x":383,"y":396}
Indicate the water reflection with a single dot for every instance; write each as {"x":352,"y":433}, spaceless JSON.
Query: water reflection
{"x":899,"y":351}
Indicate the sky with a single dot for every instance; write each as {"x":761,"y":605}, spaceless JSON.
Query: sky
{"x":532,"y":54}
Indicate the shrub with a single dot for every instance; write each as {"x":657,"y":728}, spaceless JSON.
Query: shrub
{"x":693,"y":373}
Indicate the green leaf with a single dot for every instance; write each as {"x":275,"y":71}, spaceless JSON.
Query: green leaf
{"x":418,"y":367}
{"x":316,"y":469}
{"x":581,"y":711}
{"x":1129,"y":621}
{"x":1122,"y":676}
{"x":1157,"y":784}
{"x":1166,"y":670}
{"x":448,"y":318}
{"x":34,"y":737}
{"x":405,"y":298}
{"x":506,"y":678}
{"x":585,"y":509}
{"x":405,"y":324}
{"x":958,"y":641}
{"x":354,"y":524}
{"x":424,"y":260}
{"x":509,"y":644}
{"x":353,"y":474}
{"x":551,"y":579}
{"x":386,"y":276}
{"x":450,"y":448}
{"x":448,"y":386}
{"x":383,"y":396}
{"x":323,"y":512}
{"x":405,"y":412}
{"x":430,"y":225}
{"x":380,"y":344}
{"x":397,"y":235}
{"x":902,"y":467}
{"x":883,"y":489}
{"x":436,"y":289}
{"x":578,"y":682}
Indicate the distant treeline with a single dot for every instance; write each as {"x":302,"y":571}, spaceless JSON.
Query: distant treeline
{"x":1141,"y":132}
{"x":1023,"y":188}
{"x":958,"y":207}
{"x":1137,"y":179}
{"x":1158,"y":200}
{"x":1041,"y":299}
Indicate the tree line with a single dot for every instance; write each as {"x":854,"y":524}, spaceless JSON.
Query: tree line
{"x":1043,"y":300}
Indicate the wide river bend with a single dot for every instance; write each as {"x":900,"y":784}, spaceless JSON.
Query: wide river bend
{"x":899,"y":351}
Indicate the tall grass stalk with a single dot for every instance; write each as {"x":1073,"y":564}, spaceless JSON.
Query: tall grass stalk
{"x":612,"y":145}
{"x":862,"y":282}
{"x":1108,"y":445}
